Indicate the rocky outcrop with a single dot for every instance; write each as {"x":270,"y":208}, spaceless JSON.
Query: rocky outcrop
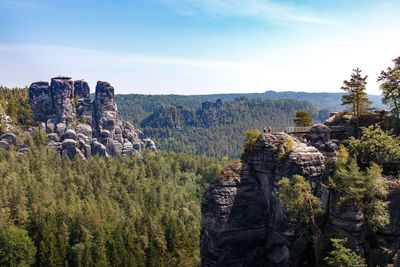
{"x":320,"y":137}
{"x":80,"y":127}
{"x":345,"y":125}
{"x":243,"y":222}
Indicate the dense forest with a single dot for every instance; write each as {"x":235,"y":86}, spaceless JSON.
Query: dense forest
{"x":218,"y":129}
{"x":14,"y":103}
{"x":136,"y":107}
{"x":138,"y":211}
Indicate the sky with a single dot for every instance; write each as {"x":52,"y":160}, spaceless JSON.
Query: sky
{"x":198,"y":46}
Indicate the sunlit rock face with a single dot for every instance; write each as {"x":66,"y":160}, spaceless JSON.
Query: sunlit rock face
{"x":243,"y":222}
{"x":80,"y":127}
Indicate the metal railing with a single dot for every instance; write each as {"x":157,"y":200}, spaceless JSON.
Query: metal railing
{"x":298,"y":130}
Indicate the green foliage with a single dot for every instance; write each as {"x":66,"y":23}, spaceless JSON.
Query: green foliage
{"x":16,"y":248}
{"x":366,"y":190}
{"x":377,"y":146}
{"x":15,"y":105}
{"x":106,"y":211}
{"x":251,"y":138}
{"x":83,"y":119}
{"x":219,"y":133}
{"x":288,"y":147}
{"x":356,"y":96}
{"x":39,"y":138}
{"x":301,"y":205}
{"x":303,"y":118}
{"x":342,"y":256}
{"x":75,"y":100}
{"x":390,"y":86}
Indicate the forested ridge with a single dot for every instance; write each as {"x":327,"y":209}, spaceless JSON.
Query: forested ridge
{"x":218,"y":129}
{"x":138,"y":211}
{"x":136,"y":107}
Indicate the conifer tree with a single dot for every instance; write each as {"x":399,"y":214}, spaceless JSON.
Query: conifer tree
{"x":356,"y":95}
{"x":390,"y":86}
{"x":303,"y":119}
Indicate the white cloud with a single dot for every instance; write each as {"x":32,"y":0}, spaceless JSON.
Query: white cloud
{"x":24,"y":64}
{"x":258,"y":9}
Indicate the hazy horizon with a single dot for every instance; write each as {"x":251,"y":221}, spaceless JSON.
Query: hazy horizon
{"x":192,"y":47}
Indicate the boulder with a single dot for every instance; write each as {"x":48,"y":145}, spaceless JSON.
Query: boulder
{"x":69,"y":148}
{"x":99,"y":149}
{"x":4,"y":145}
{"x":53,"y":137}
{"x":23,"y":150}
{"x":84,"y":129}
{"x":7,"y":137}
{"x":69,"y":134}
{"x":60,"y":128}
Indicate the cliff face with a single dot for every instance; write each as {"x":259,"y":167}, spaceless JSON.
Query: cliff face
{"x":78,"y":126}
{"x":243,"y":223}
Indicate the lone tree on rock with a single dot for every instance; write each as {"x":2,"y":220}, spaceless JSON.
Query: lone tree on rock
{"x":356,"y":95}
{"x":303,"y":119}
{"x":390,"y":86}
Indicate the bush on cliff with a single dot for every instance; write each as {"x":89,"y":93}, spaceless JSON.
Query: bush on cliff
{"x":342,"y":256}
{"x":251,"y":138}
{"x":376,"y":145}
{"x":366,"y":190}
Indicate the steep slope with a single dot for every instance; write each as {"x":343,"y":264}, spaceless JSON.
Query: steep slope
{"x":244,"y":223}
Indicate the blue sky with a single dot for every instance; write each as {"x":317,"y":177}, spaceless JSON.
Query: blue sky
{"x":198,"y":46}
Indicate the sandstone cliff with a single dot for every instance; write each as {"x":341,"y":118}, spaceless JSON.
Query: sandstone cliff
{"x":79,"y":126}
{"x":244,"y":224}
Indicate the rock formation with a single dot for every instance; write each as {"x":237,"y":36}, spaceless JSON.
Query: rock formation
{"x":243,"y":223}
{"x":78,"y":126}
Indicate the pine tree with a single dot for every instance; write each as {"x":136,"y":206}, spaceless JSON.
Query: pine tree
{"x":390,"y":86}
{"x":342,"y":256}
{"x":356,"y":95}
{"x":303,"y":119}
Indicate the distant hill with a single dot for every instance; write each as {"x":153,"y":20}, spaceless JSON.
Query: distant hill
{"x":331,"y":101}
{"x":135,"y":107}
{"x":217,"y":129}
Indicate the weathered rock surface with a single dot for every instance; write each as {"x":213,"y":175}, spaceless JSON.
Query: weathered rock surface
{"x":319,"y":137}
{"x":243,"y":223}
{"x":66,"y":112}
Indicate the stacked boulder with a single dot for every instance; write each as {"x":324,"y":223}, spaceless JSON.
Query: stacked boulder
{"x":320,"y":137}
{"x":79,"y":126}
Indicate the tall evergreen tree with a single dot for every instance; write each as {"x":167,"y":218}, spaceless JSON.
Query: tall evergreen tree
{"x":390,"y":86}
{"x":356,"y":95}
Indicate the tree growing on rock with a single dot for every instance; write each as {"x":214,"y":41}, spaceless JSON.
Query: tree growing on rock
{"x":390,"y":86}
{"x":303,"y":119}
{"x":342,"y":256}
{"x":366,"y":190}
{"x":301,"y":205}
{"x":356,"y":96}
